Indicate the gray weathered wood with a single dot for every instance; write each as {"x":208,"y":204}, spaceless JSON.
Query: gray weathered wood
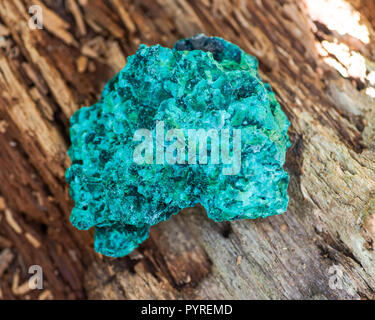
{"x":324,"y":77}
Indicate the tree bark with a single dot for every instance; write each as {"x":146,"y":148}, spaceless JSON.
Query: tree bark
{"x":322,"y":69}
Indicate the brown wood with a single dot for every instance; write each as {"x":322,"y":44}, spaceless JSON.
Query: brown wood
{"x":323,"y":72}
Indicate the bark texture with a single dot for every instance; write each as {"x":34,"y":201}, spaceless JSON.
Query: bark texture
{"x":318,"y":55}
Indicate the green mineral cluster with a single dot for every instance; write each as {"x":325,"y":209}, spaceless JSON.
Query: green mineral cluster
{"x":134,"y":161}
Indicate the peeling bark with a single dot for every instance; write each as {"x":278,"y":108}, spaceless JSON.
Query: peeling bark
{"x":324,"y":78}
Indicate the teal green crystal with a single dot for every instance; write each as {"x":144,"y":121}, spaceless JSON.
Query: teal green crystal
{"x":202,"y":83}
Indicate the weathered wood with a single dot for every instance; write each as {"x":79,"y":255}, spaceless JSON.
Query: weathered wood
{"x":322,"y":69}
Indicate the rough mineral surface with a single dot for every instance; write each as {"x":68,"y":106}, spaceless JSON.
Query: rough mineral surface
{"x":203,"y":83}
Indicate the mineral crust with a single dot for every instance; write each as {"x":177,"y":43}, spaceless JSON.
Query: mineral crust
{"x":203,"y":83}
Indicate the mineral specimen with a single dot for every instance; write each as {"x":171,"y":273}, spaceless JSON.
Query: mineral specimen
{"x":150,"y":146}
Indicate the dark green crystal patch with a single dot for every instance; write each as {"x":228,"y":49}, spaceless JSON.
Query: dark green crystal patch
{"x":203,"y":83}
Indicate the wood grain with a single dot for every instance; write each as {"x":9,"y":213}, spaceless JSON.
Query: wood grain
{"x":323,"y":74}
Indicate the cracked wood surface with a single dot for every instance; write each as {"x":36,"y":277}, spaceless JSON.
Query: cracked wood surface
{"x":319,"y":57}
